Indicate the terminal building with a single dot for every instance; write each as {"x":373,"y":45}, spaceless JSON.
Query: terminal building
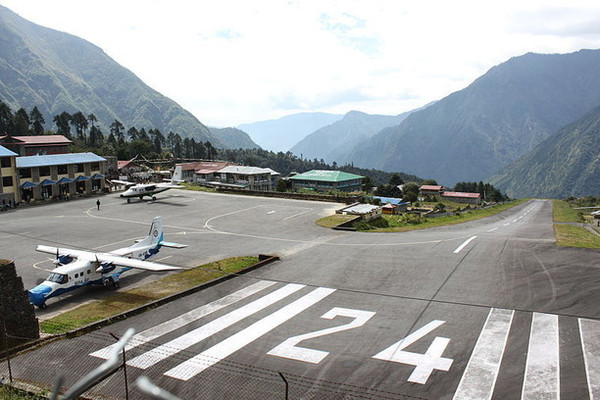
{"x":48,"y":176}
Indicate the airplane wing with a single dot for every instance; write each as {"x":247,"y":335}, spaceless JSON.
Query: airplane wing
{"x":106,"y":257}
{"x":168,"y":185}
{"x":117,"y":182}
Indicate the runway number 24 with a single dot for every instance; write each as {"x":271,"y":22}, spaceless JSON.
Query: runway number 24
{"x":424,"y":363}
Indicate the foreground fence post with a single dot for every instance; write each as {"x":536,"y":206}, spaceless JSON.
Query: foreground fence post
{"x":287,"y":386}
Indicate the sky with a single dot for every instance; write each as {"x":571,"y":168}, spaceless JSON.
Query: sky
{"x":230,"y":62}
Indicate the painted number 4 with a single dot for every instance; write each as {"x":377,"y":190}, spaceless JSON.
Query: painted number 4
{"x":424,"y":363}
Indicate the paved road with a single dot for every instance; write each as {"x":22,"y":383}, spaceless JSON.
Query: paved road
{"x":486,"y":309}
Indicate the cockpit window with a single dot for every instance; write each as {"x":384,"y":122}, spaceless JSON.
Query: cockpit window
{"x":58,"y":278}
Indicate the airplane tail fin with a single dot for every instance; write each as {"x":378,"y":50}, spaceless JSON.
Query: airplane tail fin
{"x":155,"y":238}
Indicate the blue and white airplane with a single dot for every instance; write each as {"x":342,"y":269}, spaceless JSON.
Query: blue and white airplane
{"x":77,"y":268}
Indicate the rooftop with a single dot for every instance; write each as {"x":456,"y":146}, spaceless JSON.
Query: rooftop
{"x":4,"y":152}
{"x":238,"y":169}
{"x":37,"y":139}
{"x":57,"y":159}
{"x":326,"y":176}
{"x":462,"y":194}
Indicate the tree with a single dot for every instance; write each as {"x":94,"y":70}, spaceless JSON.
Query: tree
{"x":395,"y":180}
{"x":63,"y":124}
{"x":431,"y":182}
{"x":37,"y":121}
{"x":21,"y":123}
{"x":411,"y":191}
{"x":6,"y":119}
{"x":117,"y":129}
{"x":80,"y":123}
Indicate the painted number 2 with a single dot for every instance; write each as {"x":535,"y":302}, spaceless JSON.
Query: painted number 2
{"x":288,"y":348}
{"x":424,"y":363}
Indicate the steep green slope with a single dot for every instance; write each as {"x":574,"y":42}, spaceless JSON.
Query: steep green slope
{"x":565,"y":164}
{"x":59,"y":72}
{"x":504,"y":114}
{"x":233,"y":138}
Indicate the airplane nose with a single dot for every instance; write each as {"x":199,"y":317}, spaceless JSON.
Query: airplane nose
{"x":37,"y":295}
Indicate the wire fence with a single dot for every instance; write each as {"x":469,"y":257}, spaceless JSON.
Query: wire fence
{"x":113,"y":379}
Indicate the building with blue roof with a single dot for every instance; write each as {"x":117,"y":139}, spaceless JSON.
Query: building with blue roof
{"x":42,"y":177}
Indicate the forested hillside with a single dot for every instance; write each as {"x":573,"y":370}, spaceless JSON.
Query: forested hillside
{"x":57,"y":72}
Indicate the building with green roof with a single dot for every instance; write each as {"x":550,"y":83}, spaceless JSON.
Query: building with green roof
{"x":324,"y":181}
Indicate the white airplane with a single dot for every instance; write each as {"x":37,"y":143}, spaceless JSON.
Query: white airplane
{"x":143,"y":189}
{"x":78,"y":268}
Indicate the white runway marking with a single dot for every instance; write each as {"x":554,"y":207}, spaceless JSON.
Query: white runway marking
{"x":493,"y":229}
{"x":213,"y":355}
{"x":184,"y":319}
{"x":195,"y":336}
{"x":589,"y":331}
{"x":462,"y":246}
{"x":480,"y":376}
{"x":542,"y":367}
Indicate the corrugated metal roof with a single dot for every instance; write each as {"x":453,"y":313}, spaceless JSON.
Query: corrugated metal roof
{"x":41,"y":139}
{"x":238,"y":169}
{"x":326,"y":176}
{"x":57,"y":159}
{"x":4,"y":152}
{"x":462,"y":195}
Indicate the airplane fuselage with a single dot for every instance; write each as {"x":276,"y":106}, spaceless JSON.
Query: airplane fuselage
{"x":143,"y":190}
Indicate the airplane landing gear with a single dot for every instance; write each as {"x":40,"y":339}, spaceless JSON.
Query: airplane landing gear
{"x":128,"y":201}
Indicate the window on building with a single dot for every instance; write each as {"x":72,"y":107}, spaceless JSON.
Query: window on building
{"x":80,"y":168}
{"x":7,"y":181}
{"x":95,"y":166}
{"x":25,"y":172}
{"x":45,"y":171}
{"x":62,"y":169}
{"x":5,"y":162}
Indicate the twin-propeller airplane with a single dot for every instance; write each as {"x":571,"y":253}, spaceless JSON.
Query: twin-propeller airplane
{"x":143,"y":189}
{"x":77,"y":268}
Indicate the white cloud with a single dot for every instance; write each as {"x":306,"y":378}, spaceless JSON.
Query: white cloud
{"x":236,"y":61}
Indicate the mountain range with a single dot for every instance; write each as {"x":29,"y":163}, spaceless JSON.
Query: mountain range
{"x":283,"y":133}
{"x":472,"y":134}
{"x":56,"y":72}
{"x":332,"y":142}
{"x":565,"y":164}
{"x":529,"y":125}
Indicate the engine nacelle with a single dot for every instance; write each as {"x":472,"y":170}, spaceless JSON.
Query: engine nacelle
{"x":63,"y":259}
{"x":105,"y":267}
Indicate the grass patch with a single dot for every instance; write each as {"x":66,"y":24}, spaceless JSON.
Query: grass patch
{"x":10,"y":393}
{"x":124,"y":301}
{"x":563,"y":212}
{"x":409,"y":222}
{"x":334,"y":220}
{"x":196,"y":187}
{"x":576,"y":236}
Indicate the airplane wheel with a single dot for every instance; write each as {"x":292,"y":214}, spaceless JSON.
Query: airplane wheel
{"x":153,"y":198}
{"x":128,"y":201}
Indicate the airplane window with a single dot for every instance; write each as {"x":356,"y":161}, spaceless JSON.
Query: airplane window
{"x":58,"y":278}
{"x":76,"y":275}
{"x":88,"y":271}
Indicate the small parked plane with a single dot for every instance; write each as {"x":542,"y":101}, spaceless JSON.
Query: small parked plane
{"x":143,"y":189}
{"x":78,"y":268}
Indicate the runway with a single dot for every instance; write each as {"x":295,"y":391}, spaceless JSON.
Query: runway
{"x":486,"y":309}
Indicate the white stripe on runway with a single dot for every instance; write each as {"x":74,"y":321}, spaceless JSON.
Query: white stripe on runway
{"x":542,"y":368}
{"x":462,"y":246}
{"x":479,"y":378}
{"x":589,"y":331}
{"x":213,"y":355}
{"x":184,"y":319}
{"x":492,"y":230}
{"x":189,"y":339}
